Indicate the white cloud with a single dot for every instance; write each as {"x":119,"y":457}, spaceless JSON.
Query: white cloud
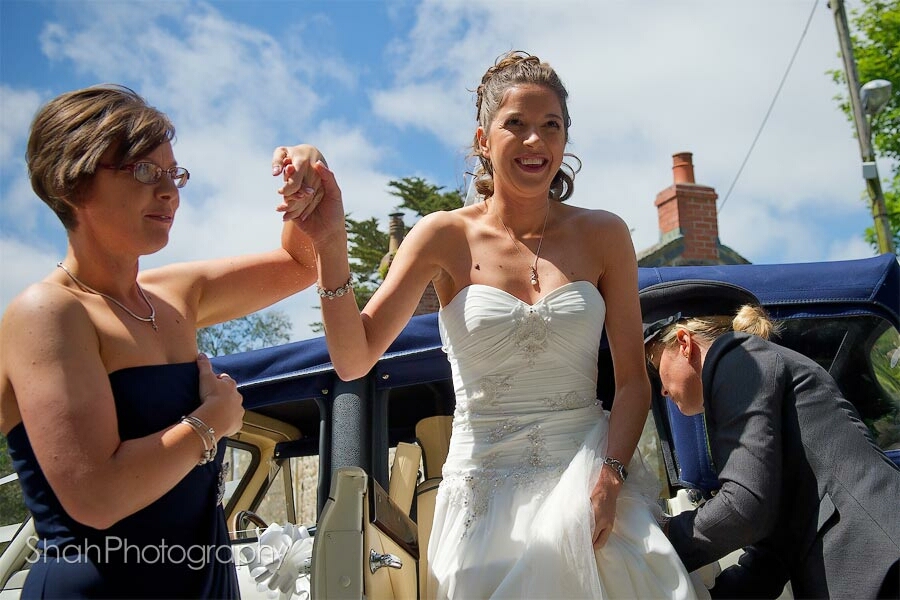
{"x":17,"y":107}
{"x":435,"y":107}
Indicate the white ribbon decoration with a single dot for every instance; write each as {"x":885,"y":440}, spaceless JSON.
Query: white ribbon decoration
{"x":280,"y":563}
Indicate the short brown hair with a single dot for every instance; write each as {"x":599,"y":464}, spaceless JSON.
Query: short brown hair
{"x":71,"y":133}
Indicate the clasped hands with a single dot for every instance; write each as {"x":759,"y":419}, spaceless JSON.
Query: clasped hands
{"x":302,"y":168}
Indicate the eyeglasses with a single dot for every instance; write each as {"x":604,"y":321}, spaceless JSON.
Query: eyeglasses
{"x":149,"y":173}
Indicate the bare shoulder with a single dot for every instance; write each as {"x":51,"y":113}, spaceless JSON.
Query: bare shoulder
{"x":605,"y":240}
{"x":595,"y":217}
{"x":44,"y":315}
{"x":602,"y":226}
{"x":41,"y":299}
{"x":442,"y":227}
{"x":443,"y":220}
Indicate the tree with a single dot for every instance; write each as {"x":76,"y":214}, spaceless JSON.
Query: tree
{"x":424,"y":198}
{"x":369,"y":246}
{"x":876,"y":48}
{"x":251,"y":332}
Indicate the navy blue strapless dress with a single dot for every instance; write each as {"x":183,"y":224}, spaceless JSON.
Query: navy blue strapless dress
{"x":177,"y":547}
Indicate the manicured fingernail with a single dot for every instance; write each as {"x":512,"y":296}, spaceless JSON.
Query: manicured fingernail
{"x":276,"y":169}
{"x":309,"y":190}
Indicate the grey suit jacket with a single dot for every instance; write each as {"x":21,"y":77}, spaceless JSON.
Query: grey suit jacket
{"x":803,"y":484}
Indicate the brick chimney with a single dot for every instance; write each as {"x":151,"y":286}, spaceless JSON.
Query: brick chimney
{"x":396,"y":232}
{"x":687,"y":209}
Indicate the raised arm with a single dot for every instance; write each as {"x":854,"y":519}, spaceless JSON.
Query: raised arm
{"x":222,"y":289}
{"x":357,"y":340}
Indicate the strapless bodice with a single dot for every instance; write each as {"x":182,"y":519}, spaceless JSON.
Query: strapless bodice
{"x":539,"y":357}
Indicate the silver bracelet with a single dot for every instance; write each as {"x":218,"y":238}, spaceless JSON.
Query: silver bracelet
{"x":207,"y":436}
{"x":335,"y":293}
{"x":618,"y":466}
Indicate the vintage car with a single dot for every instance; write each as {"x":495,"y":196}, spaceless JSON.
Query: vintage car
{"x":358,"y":463}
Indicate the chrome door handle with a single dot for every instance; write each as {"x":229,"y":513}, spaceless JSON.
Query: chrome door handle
{"x":376,"y":561}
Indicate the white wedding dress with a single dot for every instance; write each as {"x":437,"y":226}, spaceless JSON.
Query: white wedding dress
{"x":513,"y":516}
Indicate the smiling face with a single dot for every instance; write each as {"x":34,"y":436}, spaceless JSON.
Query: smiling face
{"x":128,"y":215}
{"x":525,"y":141}
{"x":679,"y":366}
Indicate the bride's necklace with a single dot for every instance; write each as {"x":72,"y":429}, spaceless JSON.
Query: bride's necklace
{"x":151,"y":319}
{"x":537,"y":255}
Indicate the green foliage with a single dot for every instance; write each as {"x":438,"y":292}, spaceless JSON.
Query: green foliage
{"x":884,"y":356}
{"x":892,"y":205}
{"x":12,"y":505}
{"x":257,"y":330}
{"x":367,"y":247}
{"x":876,"y":48}
{"x":424,"y":198}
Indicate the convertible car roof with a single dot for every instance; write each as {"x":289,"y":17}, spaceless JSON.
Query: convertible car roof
{"x":865,"y":286}
{"x":803,"y":290}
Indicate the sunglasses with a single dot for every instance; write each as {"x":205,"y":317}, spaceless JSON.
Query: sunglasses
{"x":150,"y":173}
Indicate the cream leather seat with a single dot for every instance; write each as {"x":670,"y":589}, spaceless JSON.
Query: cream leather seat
{"x":433,"y":435}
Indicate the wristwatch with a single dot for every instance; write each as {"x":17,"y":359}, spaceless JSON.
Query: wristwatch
{"x":618,"y":466}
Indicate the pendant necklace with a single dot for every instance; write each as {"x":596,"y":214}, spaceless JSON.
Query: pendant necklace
{"x":537,"y":255}
{"x":151,"y":319}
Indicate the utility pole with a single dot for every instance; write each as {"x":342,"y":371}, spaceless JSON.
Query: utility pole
{"x":863,"y":132}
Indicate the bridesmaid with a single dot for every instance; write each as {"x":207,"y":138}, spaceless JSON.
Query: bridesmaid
{"x":115,"y":425}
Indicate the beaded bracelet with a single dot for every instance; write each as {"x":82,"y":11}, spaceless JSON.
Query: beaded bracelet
{"x":207,"y":435}
{"x":335,"y":293}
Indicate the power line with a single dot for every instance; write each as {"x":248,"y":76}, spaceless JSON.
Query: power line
{"x":771,"y":106}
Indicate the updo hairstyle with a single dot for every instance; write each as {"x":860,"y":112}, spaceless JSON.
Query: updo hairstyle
{"x":511,"y":69}
{"x":750,"y":318}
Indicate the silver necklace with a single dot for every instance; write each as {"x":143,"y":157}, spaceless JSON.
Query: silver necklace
{"x":151,"y":319}
{"x":537,"y":255}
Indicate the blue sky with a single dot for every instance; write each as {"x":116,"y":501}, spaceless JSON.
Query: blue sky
{"x":383,"y":89}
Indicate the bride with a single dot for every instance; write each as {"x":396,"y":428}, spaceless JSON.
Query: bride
{"x":540,"y":496}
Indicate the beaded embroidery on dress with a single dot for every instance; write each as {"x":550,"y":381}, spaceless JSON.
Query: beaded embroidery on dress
{"x":513,"y":516}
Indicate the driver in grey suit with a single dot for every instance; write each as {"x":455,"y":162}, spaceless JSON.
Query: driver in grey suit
{"x":804,"y":489}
